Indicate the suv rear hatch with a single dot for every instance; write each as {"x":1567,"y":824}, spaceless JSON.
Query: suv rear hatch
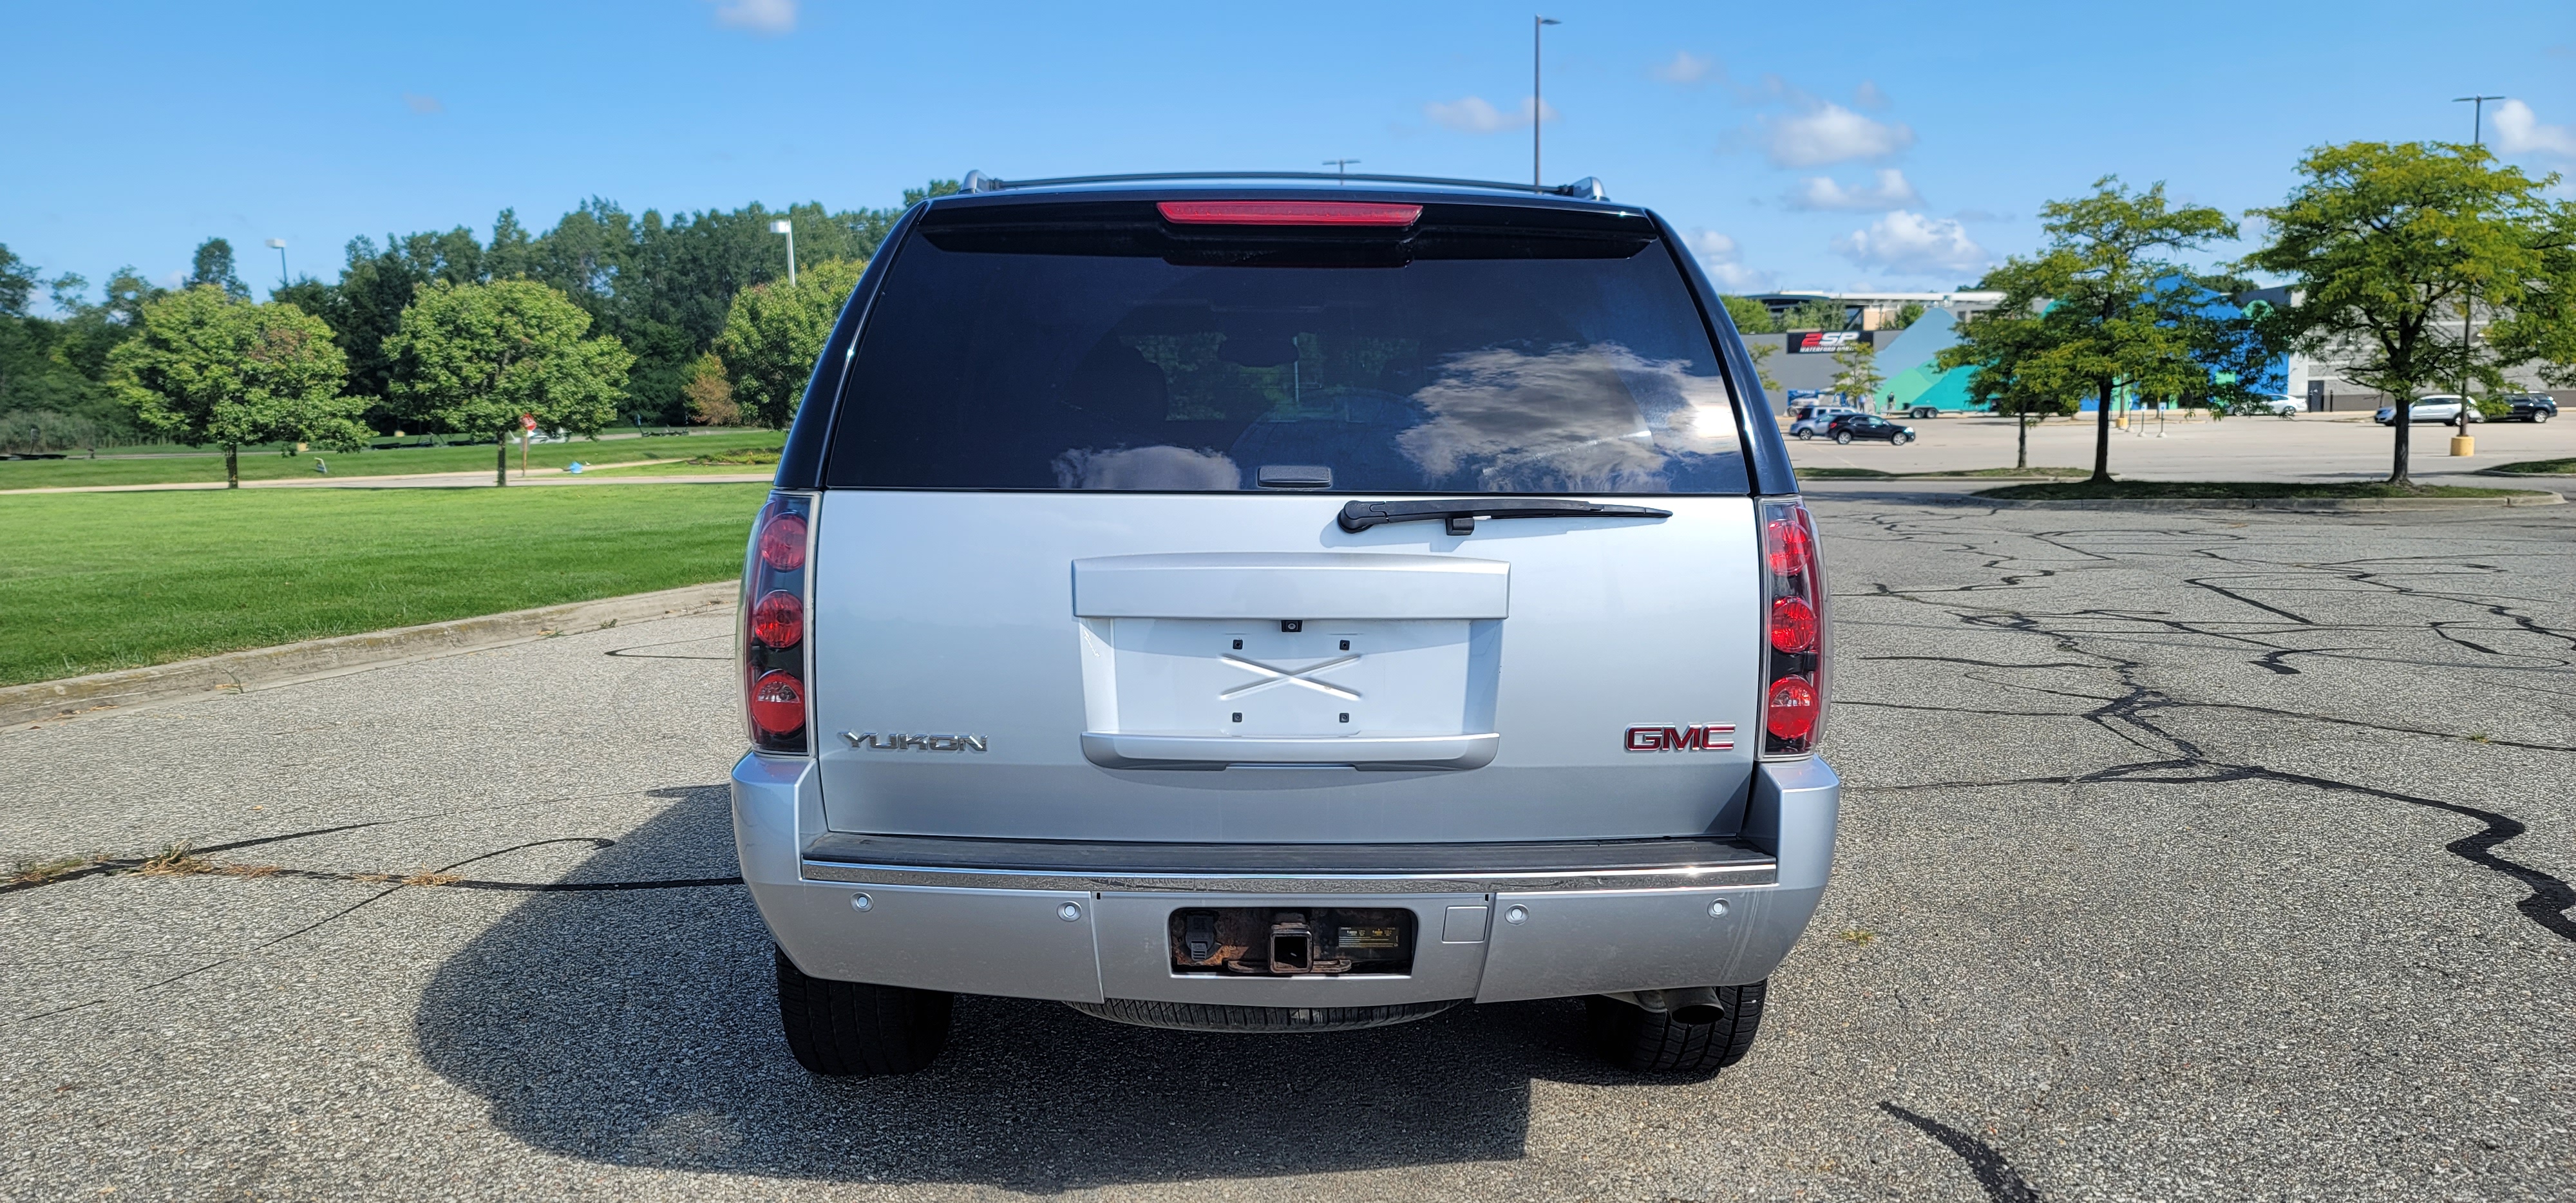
{"x":1332,"y":522}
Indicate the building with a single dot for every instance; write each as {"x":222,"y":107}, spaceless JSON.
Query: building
{"x":1876,"y":310}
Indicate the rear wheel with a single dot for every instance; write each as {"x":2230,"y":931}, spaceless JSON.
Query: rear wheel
{"x":853,"y":1029}
{"x":1633,"y":1038}
{"x":1843,"y":437}
{"x":1804,"y":434}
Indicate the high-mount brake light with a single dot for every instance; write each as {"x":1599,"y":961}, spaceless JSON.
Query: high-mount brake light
{"x":1288,"y":213}
{"x":1795,"y":631}
{"x":775,"y":586}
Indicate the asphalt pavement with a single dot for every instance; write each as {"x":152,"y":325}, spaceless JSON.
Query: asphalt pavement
{"x":2185,"y":856}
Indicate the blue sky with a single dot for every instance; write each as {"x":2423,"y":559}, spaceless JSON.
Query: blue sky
{"x":1803,"y":146}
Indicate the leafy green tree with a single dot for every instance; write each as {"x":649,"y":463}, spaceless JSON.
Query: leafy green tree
{"x":710,"y":393}
{"x":2021,"y":371}
{"x":1906,"y":315}
{"x":1856,"y":371}
{"x":1750,"y":316}
{"x":2108,"y":304}
{"x":211,"y":369}
{"x":17,"y":283}
{"x":1819,"y":314}
{"x":1762,"y":353}
{"x":2390,"y":244}
{"x":774,"y":333}
{"x":213,"y":266}
{"x":472,"y":358}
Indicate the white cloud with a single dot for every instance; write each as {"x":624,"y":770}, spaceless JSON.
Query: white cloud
{"x":420,"y":103}
{"x":1912,"y":244}
{"x":1829,"y":133}
{"x":1472,"y":115}
{"x":1685,"y":68}
{"x":1868,"y":95}
{"x":1890,"y":191}
{"x":2519,"y":131}
{"x":772,"y":17}
{"x":1723,"y":261}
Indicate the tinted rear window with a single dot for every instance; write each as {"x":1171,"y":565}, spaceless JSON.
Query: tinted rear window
{"x":1481,"y":351}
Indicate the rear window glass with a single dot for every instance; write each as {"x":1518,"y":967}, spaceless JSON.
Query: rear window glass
{"x":1133,"y":357}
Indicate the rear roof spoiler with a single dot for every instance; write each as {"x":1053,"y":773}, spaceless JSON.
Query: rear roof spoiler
{"x":1586,"y":188}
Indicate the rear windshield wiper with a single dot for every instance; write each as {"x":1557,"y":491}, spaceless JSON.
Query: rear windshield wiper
{"x":1461,"y":515}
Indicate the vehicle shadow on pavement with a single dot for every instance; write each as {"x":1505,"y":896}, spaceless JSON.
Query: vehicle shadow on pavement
{"x":638,"y":1026}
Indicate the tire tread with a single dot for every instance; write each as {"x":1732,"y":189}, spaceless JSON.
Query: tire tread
{"x":855,"y":1029}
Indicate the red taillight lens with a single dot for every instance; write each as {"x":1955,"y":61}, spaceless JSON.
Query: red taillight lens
{"x":1789,"y":712}
{"x":778,"y":620}
{"x":1793,"y":625}
{"x":777,"y":704}
{"x":782,"y":543}
{"x":1788,"y":545}
{"x":1795,"y":631}
{"x":1288,"y":213}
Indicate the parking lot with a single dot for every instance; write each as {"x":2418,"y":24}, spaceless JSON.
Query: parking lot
{"x":2185,"y":855}
{"x":2310,"y":447}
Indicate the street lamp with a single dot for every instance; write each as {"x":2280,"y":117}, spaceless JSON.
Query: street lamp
{"x":2478,"y":138}
{"x":280,"y":244}
{"x":784,"y":226}
{"x":1537,"y":108}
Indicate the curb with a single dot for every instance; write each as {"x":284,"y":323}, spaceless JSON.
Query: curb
{"x":269,"y":667}
{"x":2314,"y":505}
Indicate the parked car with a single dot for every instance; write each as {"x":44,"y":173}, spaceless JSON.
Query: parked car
{"x":2281,"y":407}
{"x":1810,"y":420}
{"x":2531,"y":407}
{"x":1126,"y":627}
{"x":1867,"y":426}
{"x":2440,"y":407}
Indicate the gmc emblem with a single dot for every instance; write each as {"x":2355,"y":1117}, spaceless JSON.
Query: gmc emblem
{"x":1707,"y":737}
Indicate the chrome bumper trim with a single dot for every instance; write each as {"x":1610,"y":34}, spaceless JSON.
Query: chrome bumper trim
{"x":1751,"y":873}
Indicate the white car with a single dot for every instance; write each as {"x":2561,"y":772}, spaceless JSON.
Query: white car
{"x":2280,"y":407}
{"x":1811,"y":420}
{"x":2444,"y":408}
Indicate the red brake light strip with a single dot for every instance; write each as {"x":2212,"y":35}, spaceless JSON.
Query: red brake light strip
{"x":1288,"y":213}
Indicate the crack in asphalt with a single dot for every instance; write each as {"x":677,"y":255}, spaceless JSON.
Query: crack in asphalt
{"x":2132,"y":713}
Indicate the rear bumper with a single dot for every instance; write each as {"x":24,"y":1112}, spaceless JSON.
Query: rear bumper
{"x":1087,"y":922}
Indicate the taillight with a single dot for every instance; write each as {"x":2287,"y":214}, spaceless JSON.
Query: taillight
{"x":1795,"y":634}
{"x":773,"y":625}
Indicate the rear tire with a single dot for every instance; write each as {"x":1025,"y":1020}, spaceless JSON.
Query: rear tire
{"x":1803,"y":434}
{"x":1843,"y":438}
{"x":1643,"y":1041}
{"x":853,"y":1029}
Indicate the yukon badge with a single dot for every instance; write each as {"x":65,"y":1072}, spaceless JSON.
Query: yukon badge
{"x":925,"y":743}
{"x":1707,"y":737}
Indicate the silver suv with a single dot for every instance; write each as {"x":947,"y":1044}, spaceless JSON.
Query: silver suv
{"x":1222,"y":605}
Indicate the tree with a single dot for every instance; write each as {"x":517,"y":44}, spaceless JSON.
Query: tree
{"x":1762,"y":353}
{"x":1856,"y":371}
{"x":17,"y":283}
{"x":2020,"y":372}
{"x":2389,"y":246}
{"x":1906,"y":315}
{"x":1750,"y":316}
{"x":1819,"y":314}
{"x":774,"y":333}
{"x":471,"y":358}
{"x":211,"y":369}
{"x":214,"y":266}
{"x":2108,"y":306}
{"x":710,"y":393}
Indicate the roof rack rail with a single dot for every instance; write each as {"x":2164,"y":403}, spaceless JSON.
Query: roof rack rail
{"x":1586,"y":188}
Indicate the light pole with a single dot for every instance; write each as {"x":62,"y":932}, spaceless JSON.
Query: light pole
{"x":2468,"y":312}
{"x":1537,"y":107}
{"x":784,"y":226}
{"x":1342,"y":166}
{"x":280,"y":244}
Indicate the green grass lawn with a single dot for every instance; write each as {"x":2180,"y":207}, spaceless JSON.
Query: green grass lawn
{"x":2536,"y":467}
{"x":268,"y":465}
{"x":96,"y":581}
{"x":2205,"y":490}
